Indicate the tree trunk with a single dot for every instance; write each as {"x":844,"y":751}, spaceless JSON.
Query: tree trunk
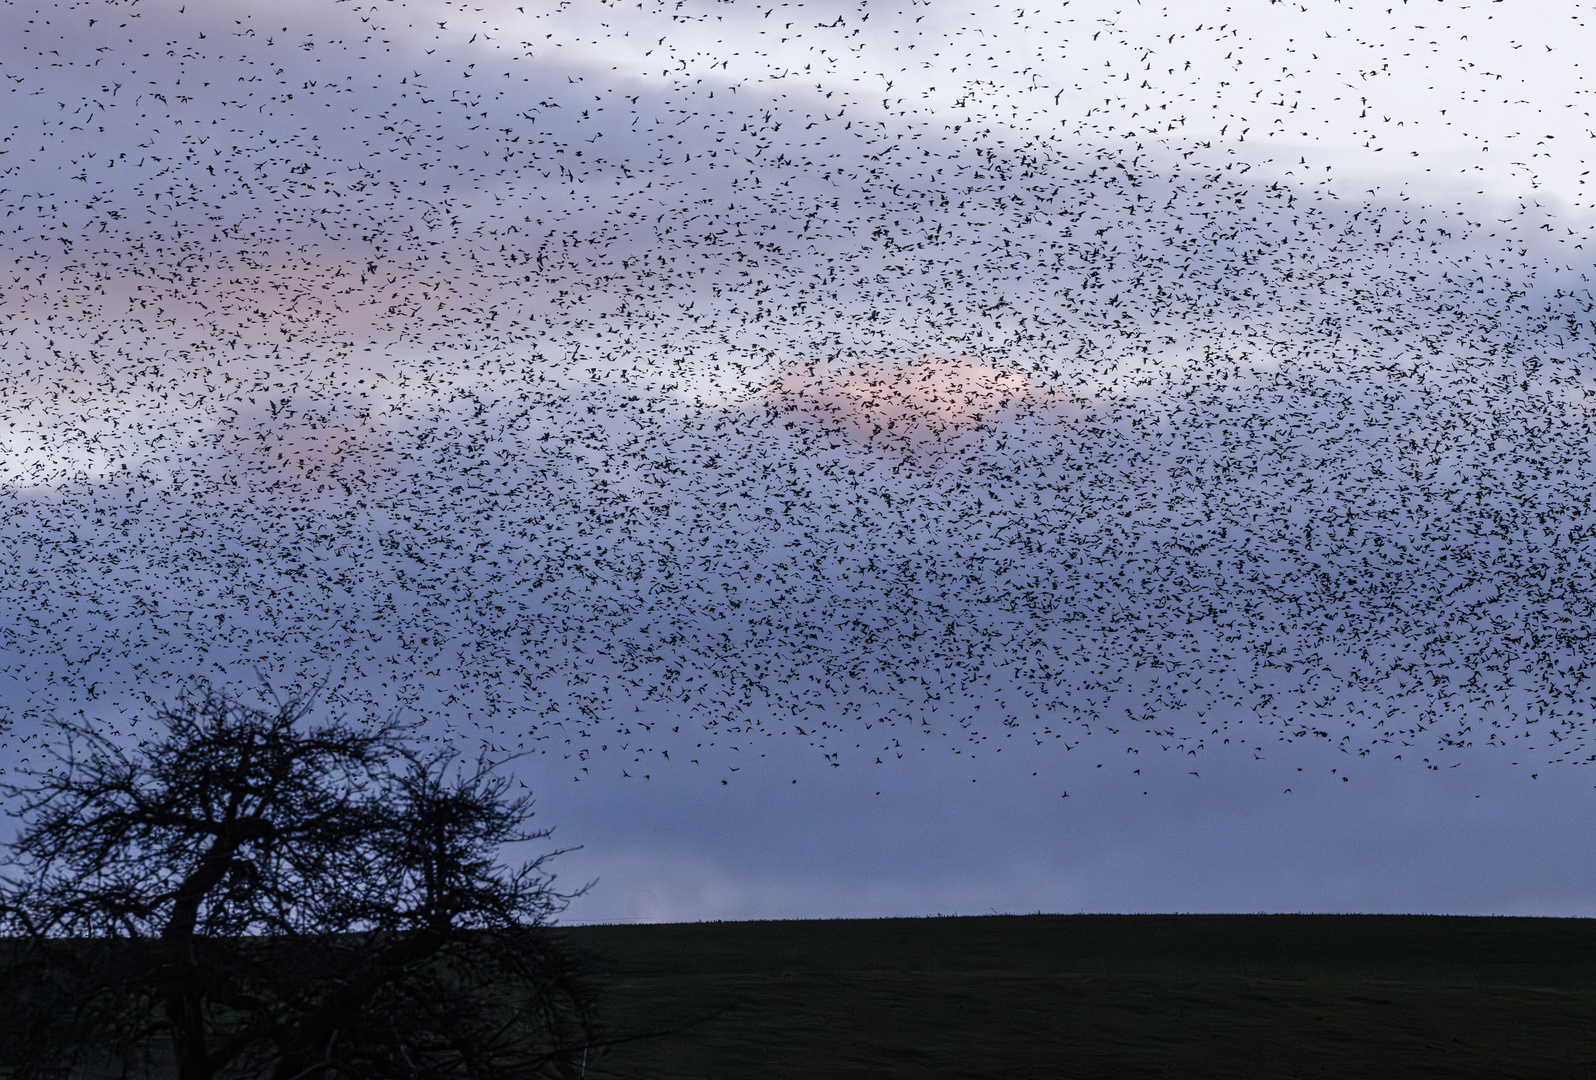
{"x":188,"y":1037}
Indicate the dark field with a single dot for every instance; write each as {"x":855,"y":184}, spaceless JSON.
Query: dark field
{"x":1104,"y":996}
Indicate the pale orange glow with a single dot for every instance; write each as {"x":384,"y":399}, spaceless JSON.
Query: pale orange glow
{"x":930,"y":403}
{"x":310,"y":456}
{"x":324,"y":456}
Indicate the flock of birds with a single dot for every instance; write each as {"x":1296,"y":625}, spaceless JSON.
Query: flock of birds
{"x":414,"y":349}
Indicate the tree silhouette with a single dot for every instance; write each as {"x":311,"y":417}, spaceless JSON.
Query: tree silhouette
{"x":250,"y":894}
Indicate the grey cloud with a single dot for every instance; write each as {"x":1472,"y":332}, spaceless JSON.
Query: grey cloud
{"x":382,"y":382}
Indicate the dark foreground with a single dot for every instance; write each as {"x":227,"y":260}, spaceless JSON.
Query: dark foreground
{"x":1104,"y":996}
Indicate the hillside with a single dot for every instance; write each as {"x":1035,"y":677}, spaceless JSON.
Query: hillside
{"x":1104,"y":995}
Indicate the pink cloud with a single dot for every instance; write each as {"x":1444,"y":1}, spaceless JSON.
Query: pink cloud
{"x":932,"y":404}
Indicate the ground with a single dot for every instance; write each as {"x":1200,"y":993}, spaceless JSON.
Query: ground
{"x":1104,"y":996}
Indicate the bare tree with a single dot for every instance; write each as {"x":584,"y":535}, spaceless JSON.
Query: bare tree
{"x":264,"y":896}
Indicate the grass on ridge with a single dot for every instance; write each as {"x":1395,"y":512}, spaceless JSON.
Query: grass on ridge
{"x":1103,"y":996}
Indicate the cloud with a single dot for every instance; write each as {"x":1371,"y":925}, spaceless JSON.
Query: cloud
{"x":492,"y":368}
{"x":929,"y":406}
{"x":717,"y":392}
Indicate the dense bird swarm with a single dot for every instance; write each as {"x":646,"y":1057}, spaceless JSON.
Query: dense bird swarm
{"x":620,"y":375}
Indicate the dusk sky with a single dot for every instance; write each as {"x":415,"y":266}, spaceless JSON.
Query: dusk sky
{"x":865,"y":458}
